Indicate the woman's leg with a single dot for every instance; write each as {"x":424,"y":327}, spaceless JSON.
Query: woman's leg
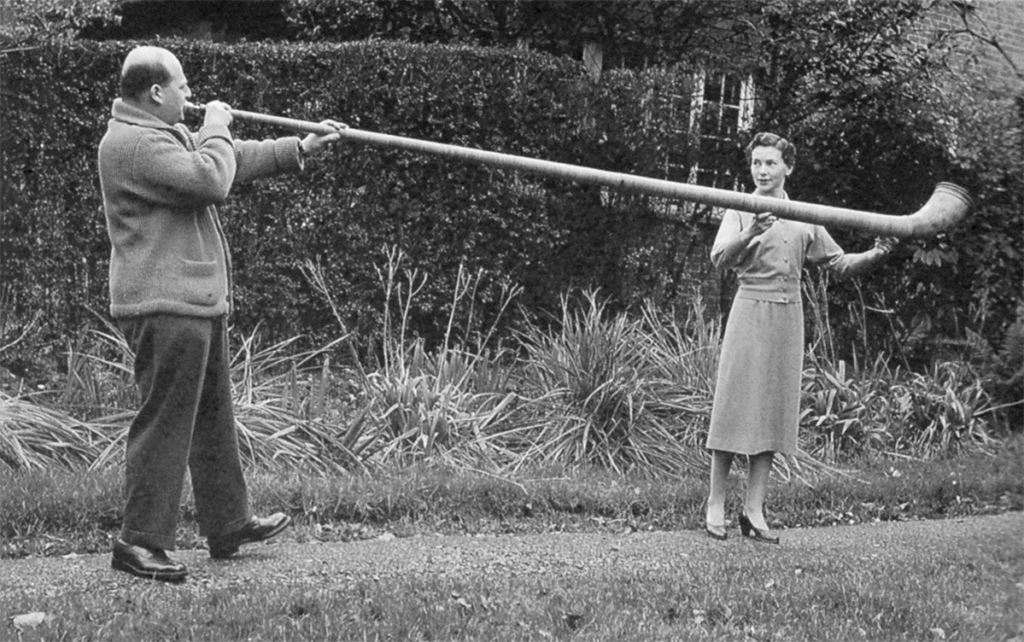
{"x":721,"y":461}
{"x":757,"y":487}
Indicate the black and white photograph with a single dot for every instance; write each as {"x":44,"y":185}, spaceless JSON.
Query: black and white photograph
{"x":512,"y":320}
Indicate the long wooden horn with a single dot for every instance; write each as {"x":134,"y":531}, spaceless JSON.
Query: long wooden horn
{"x":949,"y":204}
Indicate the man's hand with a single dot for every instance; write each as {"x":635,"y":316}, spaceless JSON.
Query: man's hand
{"x":218,"y":113}
{"x":314,"y":143}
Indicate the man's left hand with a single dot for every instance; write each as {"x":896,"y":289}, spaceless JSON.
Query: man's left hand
{"x":313,"y":143}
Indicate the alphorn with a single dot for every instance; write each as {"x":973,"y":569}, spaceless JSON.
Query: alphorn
{"x":949,"y":203}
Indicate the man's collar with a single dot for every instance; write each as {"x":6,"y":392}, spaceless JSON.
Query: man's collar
{"x":131,"y":114}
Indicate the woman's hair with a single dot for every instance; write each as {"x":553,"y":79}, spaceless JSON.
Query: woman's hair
{"x":138,"y":78}
{"x":765,"y":139}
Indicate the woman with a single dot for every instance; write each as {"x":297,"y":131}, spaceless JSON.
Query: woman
{"x":757,"y":397}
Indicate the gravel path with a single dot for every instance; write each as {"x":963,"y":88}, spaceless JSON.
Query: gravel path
{"x":316,"y":564}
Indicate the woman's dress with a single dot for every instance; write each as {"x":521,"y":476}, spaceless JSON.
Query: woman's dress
{"x":757,"y":395}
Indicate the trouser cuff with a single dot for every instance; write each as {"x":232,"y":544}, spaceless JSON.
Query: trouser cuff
{"x":226,"y":528}
{"x":147,"y":540}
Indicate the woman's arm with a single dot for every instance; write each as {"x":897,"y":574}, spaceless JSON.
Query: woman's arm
{"x":848,"y":265}
{"x":733,"y":240}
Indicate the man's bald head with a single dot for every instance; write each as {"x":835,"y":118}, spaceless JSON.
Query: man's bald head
{"x":152,"y":80}
{"x":144,"y":67}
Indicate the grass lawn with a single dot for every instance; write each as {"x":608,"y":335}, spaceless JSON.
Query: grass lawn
{"x":649,"y":575}
{"x":922,"y":580}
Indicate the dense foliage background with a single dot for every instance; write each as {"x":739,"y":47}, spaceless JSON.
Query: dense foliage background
{"x":878,"y":117}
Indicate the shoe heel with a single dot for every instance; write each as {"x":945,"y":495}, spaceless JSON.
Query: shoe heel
{"x":716,"y":532}
{"x":754,"y":533}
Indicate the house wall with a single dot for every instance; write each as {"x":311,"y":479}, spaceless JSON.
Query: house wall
{"x":979,"y":23}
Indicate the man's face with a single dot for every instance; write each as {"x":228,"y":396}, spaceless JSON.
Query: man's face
{"x":768,"y":170}
{"x":174,"y":94}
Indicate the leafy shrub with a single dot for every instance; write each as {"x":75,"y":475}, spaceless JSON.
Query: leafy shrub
{"x":840,"y":414}
{"x":941,"y":410}
{"x":927,"y":415}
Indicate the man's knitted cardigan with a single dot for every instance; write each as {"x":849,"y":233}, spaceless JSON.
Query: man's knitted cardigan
{"x":161,"y":185}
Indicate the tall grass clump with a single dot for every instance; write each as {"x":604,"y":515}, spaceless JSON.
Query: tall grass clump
{"x":98,"y":375}
{"x":447,"y":404}
{"x":286,"y":405}
{"x":33,"y":436}
{"x":617,"y":392}
{"x":284,"y":413}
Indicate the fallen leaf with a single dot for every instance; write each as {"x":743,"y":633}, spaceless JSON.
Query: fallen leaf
{"x":938,"y":634}
{"x":28,"y":620}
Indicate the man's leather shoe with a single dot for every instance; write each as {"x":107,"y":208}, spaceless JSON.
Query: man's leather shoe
{"x":150,"y":563}
{"x":257,"y":530}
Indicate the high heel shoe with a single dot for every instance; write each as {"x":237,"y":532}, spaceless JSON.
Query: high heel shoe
{"x":754,"y":533}
{"x":715,"y":531}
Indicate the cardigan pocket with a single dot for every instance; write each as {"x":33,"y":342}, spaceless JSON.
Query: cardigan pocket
{"x":201,"y":283}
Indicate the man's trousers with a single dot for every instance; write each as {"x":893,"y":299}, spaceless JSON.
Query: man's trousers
{"x":186,"y":419}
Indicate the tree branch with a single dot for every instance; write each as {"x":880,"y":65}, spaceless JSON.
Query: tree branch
{"x":989,"y":38}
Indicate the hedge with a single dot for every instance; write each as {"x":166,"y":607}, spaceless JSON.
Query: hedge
{"x":545,"y":235}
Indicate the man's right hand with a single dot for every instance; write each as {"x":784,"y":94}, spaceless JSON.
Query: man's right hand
{"x":218,"y":113}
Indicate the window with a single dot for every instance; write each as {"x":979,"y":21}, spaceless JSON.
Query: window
{"x":720,"y":109}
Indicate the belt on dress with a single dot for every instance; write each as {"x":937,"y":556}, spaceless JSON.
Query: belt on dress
{"x":770,"y":290}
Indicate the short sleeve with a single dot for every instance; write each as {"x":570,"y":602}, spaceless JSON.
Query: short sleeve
{"x":821,"y":247}
{"x":731,"y":225}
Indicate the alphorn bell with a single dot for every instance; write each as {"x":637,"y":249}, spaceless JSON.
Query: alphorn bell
{"x":948,"y":205}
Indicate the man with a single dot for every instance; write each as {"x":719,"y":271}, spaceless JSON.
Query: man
{"x":170,"y":289}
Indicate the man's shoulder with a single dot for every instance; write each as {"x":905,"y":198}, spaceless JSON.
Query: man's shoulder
{"x":120,"y":132}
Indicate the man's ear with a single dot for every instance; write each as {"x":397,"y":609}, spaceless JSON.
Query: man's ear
{"x":156,"y":94}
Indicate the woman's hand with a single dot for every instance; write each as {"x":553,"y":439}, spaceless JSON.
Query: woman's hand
{"x":762,"y":223}
{"x":885,"y":244}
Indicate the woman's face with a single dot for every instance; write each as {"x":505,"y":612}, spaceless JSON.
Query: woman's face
{"x":768,"y":170}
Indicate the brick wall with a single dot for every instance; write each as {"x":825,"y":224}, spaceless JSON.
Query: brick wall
{"x":998,"y":20}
